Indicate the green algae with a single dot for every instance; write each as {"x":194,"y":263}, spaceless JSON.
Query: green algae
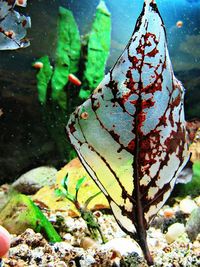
{"x":21,"y":213}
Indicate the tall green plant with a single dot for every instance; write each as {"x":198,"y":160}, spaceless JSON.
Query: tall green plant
{"x":85,"y":59}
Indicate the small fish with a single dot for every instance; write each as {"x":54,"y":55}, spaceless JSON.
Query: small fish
{"x":73,"y":79}
{"x":179,"y":24}
{"x":38,"y":65}
{"x":21,"y":3}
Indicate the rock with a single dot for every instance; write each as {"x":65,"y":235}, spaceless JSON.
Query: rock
{"x":31,"y":181}
{"x":21,"y":213}
{"x":193,"y":224}
{"x":4,"y":194}
{"x":197,"y":200}
{"x":187,"y":206}
{"x":168,"y":213}
{"x":123,"y":245}
{"x":174,"y":231}
{"x":88,"y":242}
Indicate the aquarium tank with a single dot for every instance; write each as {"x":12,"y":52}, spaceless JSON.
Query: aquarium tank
{"x":95,"y":124}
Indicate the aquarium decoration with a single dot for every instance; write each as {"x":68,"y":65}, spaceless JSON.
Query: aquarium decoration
{"x":13,"y":26}
{"x":130,"y":134}
{"x":60,"y":87}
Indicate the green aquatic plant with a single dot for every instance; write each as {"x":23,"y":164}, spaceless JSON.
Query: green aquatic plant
{"x":97,"y":47}
{"x":87,"y":215}
{"x":67,"y":55}
{"x":83,"y":57}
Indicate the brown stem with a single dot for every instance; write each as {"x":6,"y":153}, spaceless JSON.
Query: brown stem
{"x":143,"y":244}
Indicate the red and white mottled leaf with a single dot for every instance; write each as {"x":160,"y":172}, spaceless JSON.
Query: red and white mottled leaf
{"x":130,"y":134}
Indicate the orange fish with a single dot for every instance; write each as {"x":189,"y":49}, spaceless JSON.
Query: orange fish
{"x":38,"y":65}
{"x":179,"y":24}
{"x":22,"y":3}
{"x":73,"y":79}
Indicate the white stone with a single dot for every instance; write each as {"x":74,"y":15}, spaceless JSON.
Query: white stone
{"x":187,"y":206}
{"x":123,"y":246}
{"x":174,"y":231}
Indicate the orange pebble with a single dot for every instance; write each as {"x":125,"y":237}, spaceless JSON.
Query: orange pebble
{"x":168,"y":213}
{"x":73,"y":79}
{"x":4,"y":241}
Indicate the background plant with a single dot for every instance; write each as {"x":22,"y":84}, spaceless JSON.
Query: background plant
{"x":84,"y":57}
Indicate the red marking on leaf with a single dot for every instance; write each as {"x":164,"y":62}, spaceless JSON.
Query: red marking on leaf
{"x":153,"y":52}
{"x":147,"y":103}
{"x":176,"y":102}
{"x":133,"y":102}
{"x":163,"y":120}
{"x":130,"y":84}
{"x":141,"y":119}
{"x":72,"y":128}
{"x":24,"y":22}
{"x":145,"y":144}
{"x":131,"y":146}
{"x":134,"y":60}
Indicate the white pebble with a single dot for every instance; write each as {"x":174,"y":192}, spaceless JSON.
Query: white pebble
{"x":123,"y":246}
{"x":174,"y":231}
{"x":187,"y":206}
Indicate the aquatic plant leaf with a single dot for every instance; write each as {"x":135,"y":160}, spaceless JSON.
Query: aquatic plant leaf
{"x":80,"y":182}
{"x":43,"y":78}
{"x":12,"y":27}
{"x":67,"y":55}
{"x":98,"y":47}
{"x":130,"y":134}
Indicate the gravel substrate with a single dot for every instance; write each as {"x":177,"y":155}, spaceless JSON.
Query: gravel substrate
{"x":168,"y":241}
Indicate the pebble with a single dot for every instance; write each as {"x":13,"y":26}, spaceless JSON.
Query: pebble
{"x":174,"y":231}
{"x":31,"y":181}
{"x":197,"y":200}
{"x":168,"y":213}
{"x":87,"y":242}
{"x":193,"y":224}
{"x":187,"y":206}
{"x":123,"y":245}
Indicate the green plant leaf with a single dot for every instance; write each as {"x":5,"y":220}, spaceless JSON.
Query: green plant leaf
{"x":80,"y":182}
{"x":65,"y":182}
{"x":59,"y":193}
{"x":91,"y":198}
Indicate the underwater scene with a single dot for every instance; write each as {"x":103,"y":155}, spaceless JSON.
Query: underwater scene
{"x":100,"y":133}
